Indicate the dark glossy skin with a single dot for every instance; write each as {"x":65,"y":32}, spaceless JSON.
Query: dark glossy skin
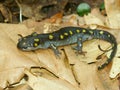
{"x":67,"y":36}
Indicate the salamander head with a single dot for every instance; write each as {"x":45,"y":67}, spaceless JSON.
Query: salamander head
{"x":29,"y":42}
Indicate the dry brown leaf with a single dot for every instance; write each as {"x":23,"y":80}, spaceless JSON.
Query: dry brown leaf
{"x":11,"y":76}
{"x":73,"y":19}
{"x":92,"y":19}
{"x":1,"y":88}
{"x":41,"y":83}
{"x":115,"y":70}
{"x":69,"y":72}
{"x":87,"y":77}
{"x":22,"y":87}
{"x":6,"y":13}
{"x":56,"y":18}
{"x":113,"y":12}
{"x":98,"y":14}
{"x":14,"y":60}
{"x":33,"y":9}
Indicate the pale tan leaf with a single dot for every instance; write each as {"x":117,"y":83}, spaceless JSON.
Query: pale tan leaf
{"x":69,"y":72}
{"x":12,"y":62}
{"x":115,"y":70}
{"x":41,"y":83}
{"x":92,"y":19}
{"x":22,"y":87}
{"x":113,"y":12}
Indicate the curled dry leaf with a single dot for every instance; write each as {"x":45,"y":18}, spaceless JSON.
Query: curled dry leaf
{"x":33,"y":9}
{"x":6,"y":13}
{"x":22,"y":87}
{"x":56,"y":18}
{"x":11,"y":76}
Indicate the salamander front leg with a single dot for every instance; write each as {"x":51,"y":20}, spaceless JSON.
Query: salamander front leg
{"x":55,"y":49}
{"x":79,"y":47}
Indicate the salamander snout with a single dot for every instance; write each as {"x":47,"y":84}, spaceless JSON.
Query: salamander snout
{"x":22,"y":46}
{"x":25,"y":44}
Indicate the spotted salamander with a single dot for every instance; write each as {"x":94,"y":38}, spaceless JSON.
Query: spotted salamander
{"x":67,"y":36}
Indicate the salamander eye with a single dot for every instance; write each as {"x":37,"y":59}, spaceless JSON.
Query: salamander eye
{"x":36,"y":40}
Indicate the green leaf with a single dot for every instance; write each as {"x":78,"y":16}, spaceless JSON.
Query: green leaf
{"x":102,"y":6}
{"x":83,"y":9}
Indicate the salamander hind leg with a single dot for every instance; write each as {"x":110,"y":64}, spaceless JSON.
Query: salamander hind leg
{"x":79,"y":47}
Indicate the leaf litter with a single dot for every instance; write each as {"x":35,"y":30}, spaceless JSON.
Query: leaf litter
{"x":70,"y":72}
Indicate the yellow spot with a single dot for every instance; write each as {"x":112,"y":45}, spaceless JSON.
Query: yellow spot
{"x":91,"y":32}
{"x":61,"y":37}
{"x":35,"y":44}
{"x":101,"y":32}
{"x":83,"y":30}
{"x":108,"y":35}
{"x":78,"y":31}
{"x":36,"y":40}
{"x":70,"y":32}
{"x":24,"y":43}
{"x":66,"y":34}
{"x":34,"y":34}
{"x":50,"y":36}
{"x":80,"y":39}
